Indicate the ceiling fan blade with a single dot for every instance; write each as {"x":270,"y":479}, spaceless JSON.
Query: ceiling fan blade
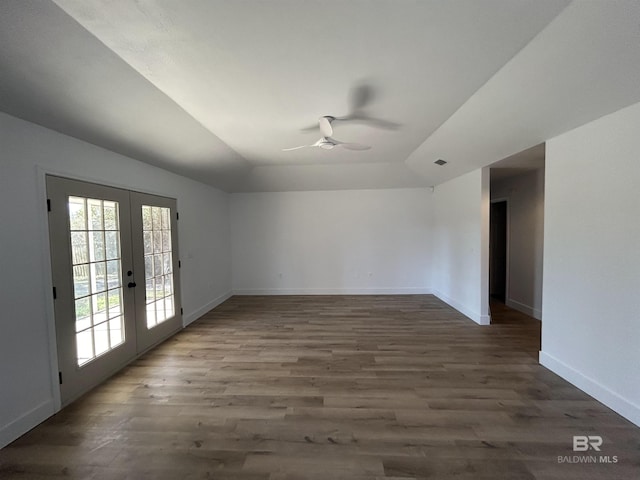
{"x":364,"y":119}
{"x":354,"y":146}
{"x":310,"y":128}
{"x":325,"y":126}
{"x":361,"y":95}
{"x":296,"y":148}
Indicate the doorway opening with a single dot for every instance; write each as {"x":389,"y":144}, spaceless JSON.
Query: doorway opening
{"x":516,"y":224}
{"x":498,"y":242}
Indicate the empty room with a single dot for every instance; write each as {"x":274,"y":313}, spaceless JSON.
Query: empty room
{"x":304,"y":239}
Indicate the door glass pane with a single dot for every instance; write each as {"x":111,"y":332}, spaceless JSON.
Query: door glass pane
{"x":158,"y":272}
{"x":97,"y":285}
{"x":111,"y":243}
{"x":99,"y":275}
{"x":111,"y":220}
{"x":96,"y":245}
{"x":80,"y":252}
{"x":115,"y":331}
{"x":115,"y":303}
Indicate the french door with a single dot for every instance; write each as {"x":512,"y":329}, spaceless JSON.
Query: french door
{"x":116,"y":287}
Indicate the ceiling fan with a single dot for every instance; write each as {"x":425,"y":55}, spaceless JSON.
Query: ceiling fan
{"x":326,"y":141}
{"x":361,"y":96}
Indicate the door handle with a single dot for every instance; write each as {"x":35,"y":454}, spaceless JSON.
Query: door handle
{"x":131,"y":284}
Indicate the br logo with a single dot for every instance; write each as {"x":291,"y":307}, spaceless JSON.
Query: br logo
{"x":582,"y":443}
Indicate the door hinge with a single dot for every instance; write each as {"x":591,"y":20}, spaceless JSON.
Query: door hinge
{"x":55,"y":293}
{"x":60,"y":377}
{"x":177,"y":216}
{"x":179,"y":264}
{"x":181,"y":311}
{"x":48,"y":204}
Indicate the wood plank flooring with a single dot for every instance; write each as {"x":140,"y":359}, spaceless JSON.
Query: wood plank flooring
{"x":349,"y":387}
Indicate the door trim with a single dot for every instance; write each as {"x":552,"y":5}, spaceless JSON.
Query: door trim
{"x":47,"y":272}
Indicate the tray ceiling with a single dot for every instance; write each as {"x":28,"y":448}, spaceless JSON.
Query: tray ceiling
{"x":214,"y":90}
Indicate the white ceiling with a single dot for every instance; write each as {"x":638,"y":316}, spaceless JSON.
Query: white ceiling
{"x":215,"y":89}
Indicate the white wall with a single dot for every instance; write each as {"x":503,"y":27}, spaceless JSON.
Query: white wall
{"x":349,"y":241}
{"x":28,"y":395}
{"x":460,"y":244}
{"x":525,"y":196}
{"x":591,"y":308}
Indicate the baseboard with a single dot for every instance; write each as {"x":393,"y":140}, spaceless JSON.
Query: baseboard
{"x":193,"y":316}
{"x":526,"y":309}
{"x":334,"y":291}
{"x":476,"y":317}
{"x":611,"y":399}
{"x":24,"y":423}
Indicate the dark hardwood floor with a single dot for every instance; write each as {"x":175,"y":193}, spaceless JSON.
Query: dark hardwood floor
{"x":350,"y":387}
